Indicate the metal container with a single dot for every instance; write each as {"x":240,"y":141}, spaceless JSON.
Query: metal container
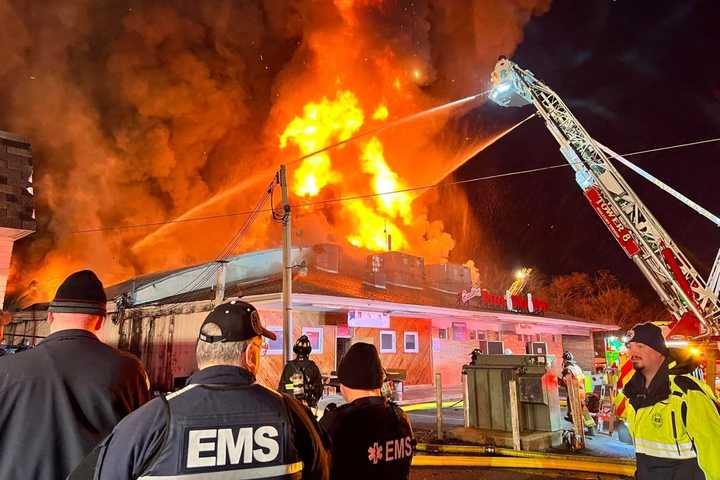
{"x":488,"y":379}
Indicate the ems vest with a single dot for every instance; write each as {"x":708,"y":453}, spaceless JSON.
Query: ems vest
{"x":659,"y":430}
{"x":372,"y":439}
{"x":218,"y":432}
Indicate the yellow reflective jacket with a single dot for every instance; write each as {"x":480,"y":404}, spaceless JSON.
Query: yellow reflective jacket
{"x":683,"y":425}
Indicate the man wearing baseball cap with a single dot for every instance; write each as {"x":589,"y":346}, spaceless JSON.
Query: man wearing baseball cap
{"x":674,"y":418}
{"x":371,"y":437}
{"x":61,"y":398}
{"x":222,"y":425}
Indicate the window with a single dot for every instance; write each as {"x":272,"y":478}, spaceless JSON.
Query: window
{"x":315,"y":335}
{"x":459,"y":330}
{"x":411,"y":342}
{"x":477,"y":335}
{"x":495,"y":348}
{"x":275,"y":346}
{"x":442,"y":333}
{"x":387,"y":341}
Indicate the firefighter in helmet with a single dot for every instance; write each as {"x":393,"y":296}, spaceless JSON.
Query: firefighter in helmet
{"x":301,"y":377}
{"x":570,"y":367}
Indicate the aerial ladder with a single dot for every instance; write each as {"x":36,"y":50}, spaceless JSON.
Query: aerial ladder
{"x":692,"y":302}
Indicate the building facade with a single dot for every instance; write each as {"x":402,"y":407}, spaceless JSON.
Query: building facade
{"x":422,"y":323}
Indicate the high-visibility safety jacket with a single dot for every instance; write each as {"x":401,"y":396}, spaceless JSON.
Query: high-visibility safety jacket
{"x":675,"y":425}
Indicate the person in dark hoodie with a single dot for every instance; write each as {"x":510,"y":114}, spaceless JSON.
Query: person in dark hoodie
{"x":674,"y":418}
{"x":61,"y":398}
{"x":371,"y":437}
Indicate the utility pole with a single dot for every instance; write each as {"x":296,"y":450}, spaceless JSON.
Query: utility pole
{"x":220,"y":282}
{"x":287,"y":267}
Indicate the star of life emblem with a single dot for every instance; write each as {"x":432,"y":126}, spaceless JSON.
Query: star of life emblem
{"x":375,"y":453}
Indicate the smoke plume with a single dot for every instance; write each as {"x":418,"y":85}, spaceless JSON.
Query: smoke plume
{"x":142,"y":112}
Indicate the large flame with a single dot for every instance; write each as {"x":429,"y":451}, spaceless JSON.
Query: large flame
{"x":187,"y":109}
{"x":321,"y":124}
{"x":375,"y":219}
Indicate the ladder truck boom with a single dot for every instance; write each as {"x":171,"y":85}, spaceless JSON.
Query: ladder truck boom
{"x":692,"y":303}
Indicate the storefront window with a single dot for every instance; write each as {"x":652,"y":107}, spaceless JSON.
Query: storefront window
{"x":411,"y":342}
{"x":275,"y":347}
{"x":387,"y":342}
{"x":459,"y":330}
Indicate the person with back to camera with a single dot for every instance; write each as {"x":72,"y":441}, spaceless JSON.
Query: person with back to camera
{"x":371,"y":437}
{"x":61,"y":398}
{"x":222,"y":425}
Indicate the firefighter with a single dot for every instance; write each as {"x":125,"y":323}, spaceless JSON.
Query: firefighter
{"x":61,"y":398}
{"x":301,"y":377}
{"x":222,"y":424}
{"x":674,"y":418}
{"x":371,"y":437}
{"x":572,"y":368}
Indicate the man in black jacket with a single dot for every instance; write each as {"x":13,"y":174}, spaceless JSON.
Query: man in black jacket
{"x":222,"y":425}
{"x":371,"y":437}
{"x":61,"y":398}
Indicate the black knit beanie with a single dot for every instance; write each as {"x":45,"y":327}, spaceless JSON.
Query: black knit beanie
{"x":650,"y":335}
{"x":81,"y":292}
{"x":360,"y":367}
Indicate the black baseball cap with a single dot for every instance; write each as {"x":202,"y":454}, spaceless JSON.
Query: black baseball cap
{"x":238,"y":321}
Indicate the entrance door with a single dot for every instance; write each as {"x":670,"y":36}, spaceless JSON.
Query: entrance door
{"x":343,"y":345}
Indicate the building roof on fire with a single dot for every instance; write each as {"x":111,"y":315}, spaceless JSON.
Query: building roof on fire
{"x":258,"y":274}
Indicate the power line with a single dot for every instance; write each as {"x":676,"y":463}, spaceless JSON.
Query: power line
{"x":371,"y":195}
{"x":373,"y":131}
{"x":211,"y":269}
{"x":431,"y":185}
{"x":699,"y":142}
{"x":168,"y":222}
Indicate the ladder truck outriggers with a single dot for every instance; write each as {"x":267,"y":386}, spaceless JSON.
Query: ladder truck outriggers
{"x":692,"y":302}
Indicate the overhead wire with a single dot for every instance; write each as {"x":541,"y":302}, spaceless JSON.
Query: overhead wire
{"x":370,"y":195}
{"x":211,"y":268}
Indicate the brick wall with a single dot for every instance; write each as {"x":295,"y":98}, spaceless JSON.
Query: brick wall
{"x":16,"y":202}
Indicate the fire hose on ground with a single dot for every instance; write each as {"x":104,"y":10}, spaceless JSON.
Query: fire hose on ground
{"x":496,"y":457}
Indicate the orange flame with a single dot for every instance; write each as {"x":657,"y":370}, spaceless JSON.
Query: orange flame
{"x":384,"y":181}
{"x":373,"y":221}
{"x":321,"y":124}
{"x":381,"y":113}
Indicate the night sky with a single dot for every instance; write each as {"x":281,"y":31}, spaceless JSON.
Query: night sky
{"x":638,"y":75}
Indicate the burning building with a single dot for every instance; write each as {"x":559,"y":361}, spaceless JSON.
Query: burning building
{"x":422,"y":318}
